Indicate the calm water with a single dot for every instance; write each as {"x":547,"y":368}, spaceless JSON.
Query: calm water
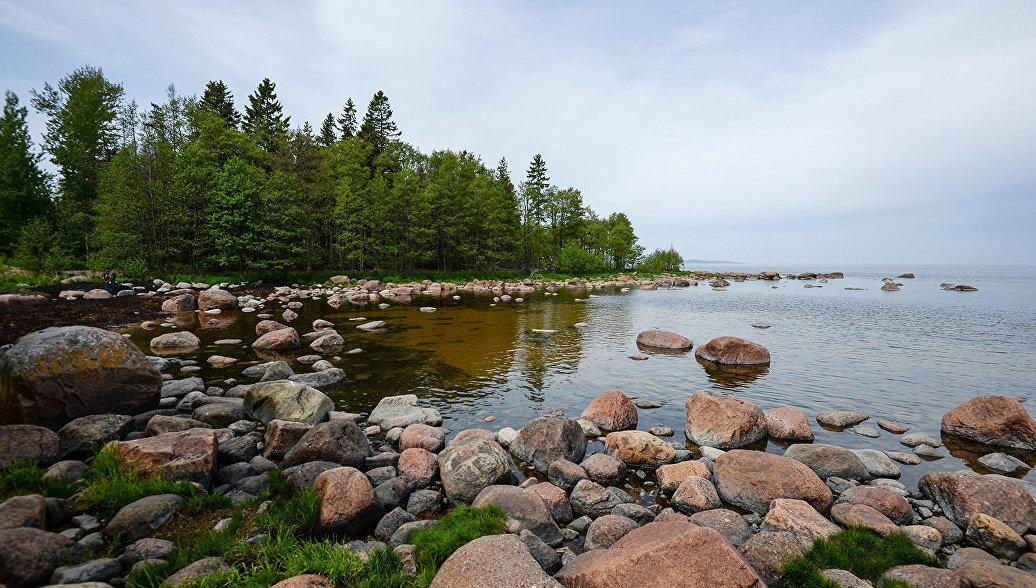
{"x":910,"y":355}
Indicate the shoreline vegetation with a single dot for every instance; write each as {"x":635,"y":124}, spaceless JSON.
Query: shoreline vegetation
{"x":196,"y":186}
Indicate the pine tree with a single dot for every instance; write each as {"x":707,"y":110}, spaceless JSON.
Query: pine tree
{"x":347,"y":122}
{"x":534,"y":193}
{"x":264,"y":119}
{"x":82,"y":135}
{"x":218,"y":99}
{"x":23,"y":187}
{"x":327,"y":131}
{"x":378,"y":128}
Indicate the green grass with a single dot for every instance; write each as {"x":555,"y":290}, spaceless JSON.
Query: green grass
{"x":460,"y":526}
{"x":857,"y":550}
{"x":20,"y":478}
{"x":111,"y":483}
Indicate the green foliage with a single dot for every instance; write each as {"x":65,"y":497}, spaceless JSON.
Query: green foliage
{"x":264,"y":120}
{"x":39,"y":247}
{"x":347,"y":122}
{"x":218,"y":99}
{"x":661,"y":260}
{"x":111,"y":483}
{"x":378,"y":128}
{"x":23,"y":187}
{"x":857,"y":550}
{"x":19,"y":478}
{"x":460,"y":526}
{"x":577,"y":261}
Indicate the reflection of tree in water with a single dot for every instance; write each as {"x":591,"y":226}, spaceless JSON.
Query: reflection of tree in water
{"x":727,"y":377}
{"x":541,"y":357}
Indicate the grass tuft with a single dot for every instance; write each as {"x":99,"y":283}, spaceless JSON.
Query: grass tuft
{"x":460,"y":526}
{"x":111,"y":483}
{"x":20,"y":478}
{"x":857,"y":550}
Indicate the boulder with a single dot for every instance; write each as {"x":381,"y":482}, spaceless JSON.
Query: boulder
{"x":963,"y":494}
{"x":611,"y":411}
{"x":922,"y":575}
{"x":180,"y":341}
{"x":186,"y":455}
{"x":182,"y":303}
{"x":999,"y":421}
{"x":798,"y":517}
{"x":216,"y":298}
{"x":160,"y":424}
{"x":424,"y":436}
{"x":663,"y":340}
{"x":549,"y":438}
{"x":194,"y":572}
{"x":727,"y":522}
{"x":767,"y":551}
{"x":24,"y":511}
{"x":282,"y":436}
{"x":501,"y":561}
{"x":991,"y":574}
{"x":723,"y":421}
{"x":401,"y":411}
{"x":556,"y":500}
{"x":143,"y":517}
{"x":524,"y":510}
{"x":883,"y":500}
{"x":605,"y":469}
{"x":829,"y":460}
{"x":753,"y":479}
{"x":838,"y":419}
{"x":788,"y":423}
{"x":305,"y":475}
{"x":147,"y":549}
{"x":877,"y":463}
{"x":605,"y":531}
{"x":277,"y":340}
{"x":28,"y":443}
{"x":329,"y":341}
{"x":662,"y":555}
{"x":286,"y":401}
{"x":97,"y":294}
{"x":268,"y":326}
{"x":468,"y":467}
{"x":993,"y":536}
{"x":324,"y":380}
{"x":670,"y":476}
{"x":591,"y":499}
{"x":923,"y":536}
{"x":305,"y":581}
{"x":849,"y":515}
{"x":29,"y":556}
{"x":53,"y":376}
{"x":733,"y":351}
{"x":695,"y":494}
{"x":220,"y":414}
{"x":420,"y":466}
{"x":348,"y":503}
{"x":638,"y":449}
{"x":339,"y":441}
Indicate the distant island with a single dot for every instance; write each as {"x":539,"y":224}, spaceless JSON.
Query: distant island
{"x":689,"y":261}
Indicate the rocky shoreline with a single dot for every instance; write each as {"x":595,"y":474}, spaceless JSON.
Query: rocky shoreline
{"x":723,"y":515}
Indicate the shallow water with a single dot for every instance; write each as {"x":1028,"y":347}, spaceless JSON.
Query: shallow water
{"x":909,"y":356}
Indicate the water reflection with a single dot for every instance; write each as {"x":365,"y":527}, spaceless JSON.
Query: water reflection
{"x":729,"y":377}
{"x":970,"y":452}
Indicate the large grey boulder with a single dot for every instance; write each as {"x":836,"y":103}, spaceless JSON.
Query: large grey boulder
{"x":28,"y":443}
{"x":468,"y":467}
{"x":29,"y":556}
{"x":339,"y":441}
{"x":53,"y":376}
{"x":547,"y":439}
{"x":83,"y":435}
{"x":829,"y":460}
{"x":523,"y":509}
{"x":216,"y":298}
{"x":323,"y":380}
{"x":287,"y":401}
{"x":402,"y":411}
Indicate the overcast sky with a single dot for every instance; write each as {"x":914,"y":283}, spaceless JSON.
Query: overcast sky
{"x":765,"y":132}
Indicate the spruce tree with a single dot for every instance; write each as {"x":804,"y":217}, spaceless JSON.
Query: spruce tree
{"x":378,"y":128}
{"x":347,"y":122}
{"x":23,"y":187}
{"x":218,"y":99}
{"x":264,"y":119}
{"x":327,"y":131}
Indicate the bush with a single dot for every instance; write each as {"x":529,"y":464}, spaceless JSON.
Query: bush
{"x":39,"y":247}
{"x":659,"y":260}
{"x":576,"y":260}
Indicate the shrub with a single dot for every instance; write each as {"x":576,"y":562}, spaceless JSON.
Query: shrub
{"x":576,"y":260}
{"x":661,"y":260}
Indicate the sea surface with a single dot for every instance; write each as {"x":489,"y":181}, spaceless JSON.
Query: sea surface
{"x":910,"y":355}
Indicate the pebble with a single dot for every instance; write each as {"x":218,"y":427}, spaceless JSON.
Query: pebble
{"x":638,"y":357}
{"x":488,"y":419}
{"x":661,"y":431}
{"x":925,"y":450}
{"x":762,"y":325}
{"x":867,"y":432}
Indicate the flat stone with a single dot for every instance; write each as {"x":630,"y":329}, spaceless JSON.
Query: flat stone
{"x":904,"y":458}
{"x":915,"y":439}
{"x":401,"y":411}
{"x":877,"y":464}
{"x":893,"y":426}
{"x":798,"y":517}
{"x":143,"y":517}
{"x":1002,"y":463}
{"x":501,"y":561}
{"x":848,"y":515}
{"x":839,"y":419}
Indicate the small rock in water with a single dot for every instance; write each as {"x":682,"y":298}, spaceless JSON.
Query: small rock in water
{"x":189,"y":369}
{"x":841,"y":418}
{"x":384,"y":305}
{"x":213,"y":311}
{"x":645,"y":403}
{"x":638,"y":357}
{"x":372,"y":326}
{"x":455,"y":297}
{"x":904,"y":458}
{"x":358,"y":318}
{"x":227,"y":342}
{"x":925,"y":450}
{"x":867,"y":432}
{"x":892,"y":426}
{"x":488,"y":419}
{"x":428,"y":309}
{"x":661,"y":431}
{"x":915,"y":439}
{"x":762,"y":325}
{"x":581,"y":325}
{"x":544,"y":331}
{"x":354,"y":351}
{"x":711,"y":452}
{"x":1003,"y":463}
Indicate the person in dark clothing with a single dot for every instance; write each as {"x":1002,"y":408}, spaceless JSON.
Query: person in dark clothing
{"x":109,"y":281}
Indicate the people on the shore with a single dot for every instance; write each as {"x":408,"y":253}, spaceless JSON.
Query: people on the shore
{"x":109,"y":281}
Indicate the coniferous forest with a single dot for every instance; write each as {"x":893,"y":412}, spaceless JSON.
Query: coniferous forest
{"x":201,"y":183}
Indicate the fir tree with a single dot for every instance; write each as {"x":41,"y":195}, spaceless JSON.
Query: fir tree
{"x":378,"y":128}
{"x":218,"y":99}
{"x":347,"y":122}
{"x":327,"y":131}
{"x":264,"y":119}
{"x":23,"y":187}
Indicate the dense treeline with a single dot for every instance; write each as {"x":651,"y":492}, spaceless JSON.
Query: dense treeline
{"x":195,"y":184}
